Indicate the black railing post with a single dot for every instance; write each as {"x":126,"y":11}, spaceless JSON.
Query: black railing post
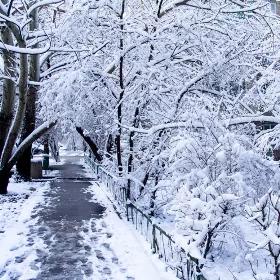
{"x":127,"y":214}
{"x":154,"y":239}
{"x":131,"y":211}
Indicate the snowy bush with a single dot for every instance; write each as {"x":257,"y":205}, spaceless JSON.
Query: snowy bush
{"x":265,"y":215}
{"x":214,"y":177}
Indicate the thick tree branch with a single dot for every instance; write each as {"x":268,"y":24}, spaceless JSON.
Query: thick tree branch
{"x":37,"y":133}
{"x":91,"y":144}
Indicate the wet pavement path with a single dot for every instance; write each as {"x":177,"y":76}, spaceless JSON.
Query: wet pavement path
{"x":63,"y":225}
{"x":71,"y":236}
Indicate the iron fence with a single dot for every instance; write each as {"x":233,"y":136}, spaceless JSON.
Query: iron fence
{"x":161,"y":242}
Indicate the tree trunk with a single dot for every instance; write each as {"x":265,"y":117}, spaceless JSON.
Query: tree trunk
{"x":121,"y":81}
{"x":24,"y":165}
{"x":119,"y":153}
{"x":24,"y":162}
{"x":153,"y":197}
{"x":109,"y":146}
{"x":54,"y":149}
{"x":16,"y":125}
{"x":144,"y":182}
{"x":4,"y":180}
{"x":46,"y":158}
{"x":277,"y":266}
{"x":5,"y":171}
{"x":8,"y":97}
{"x":131,"y":148}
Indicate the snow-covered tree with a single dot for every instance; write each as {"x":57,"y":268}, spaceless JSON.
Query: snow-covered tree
{"x":21,"y":44}
{"x":265,"y":215}
{"x":173,"y":94}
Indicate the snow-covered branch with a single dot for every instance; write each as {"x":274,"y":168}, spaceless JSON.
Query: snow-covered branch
{"x":37,"y":133}
{"x":31,"y":51}
{"x":42,"y":3}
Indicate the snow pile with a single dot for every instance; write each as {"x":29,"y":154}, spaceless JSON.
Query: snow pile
{"x":131,"y":250}
{"x":217,"y":183}
{"x":18,"y":252}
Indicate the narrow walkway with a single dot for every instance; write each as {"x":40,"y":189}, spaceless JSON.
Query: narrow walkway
{"x":63,"y":225}
{"x":76,"y":234}
{"x":60,"y":224}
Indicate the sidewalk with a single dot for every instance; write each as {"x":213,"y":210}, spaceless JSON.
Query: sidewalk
{"x":75,"y":234}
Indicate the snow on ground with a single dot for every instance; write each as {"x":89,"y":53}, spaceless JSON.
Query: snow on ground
{"x":230,"y":261}
{"x":18,"y":252}
{"x":130,"y":248}
{"x":64,"y":152}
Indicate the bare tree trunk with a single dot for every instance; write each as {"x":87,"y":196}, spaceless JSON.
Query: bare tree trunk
{"x":24,"y":162}
{"x":277,"y":270}
{"x":4,"y":180}
{"x":8,"y":98}
{"x":131,"y":148}
{"x":109,"y":146}
{"x":121,"y":80}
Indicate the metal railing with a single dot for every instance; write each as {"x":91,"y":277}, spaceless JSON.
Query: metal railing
{"x":161,"y":242}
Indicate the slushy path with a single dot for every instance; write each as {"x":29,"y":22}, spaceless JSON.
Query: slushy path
{"x":63,"y":225}
{"x":74,"y":233}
